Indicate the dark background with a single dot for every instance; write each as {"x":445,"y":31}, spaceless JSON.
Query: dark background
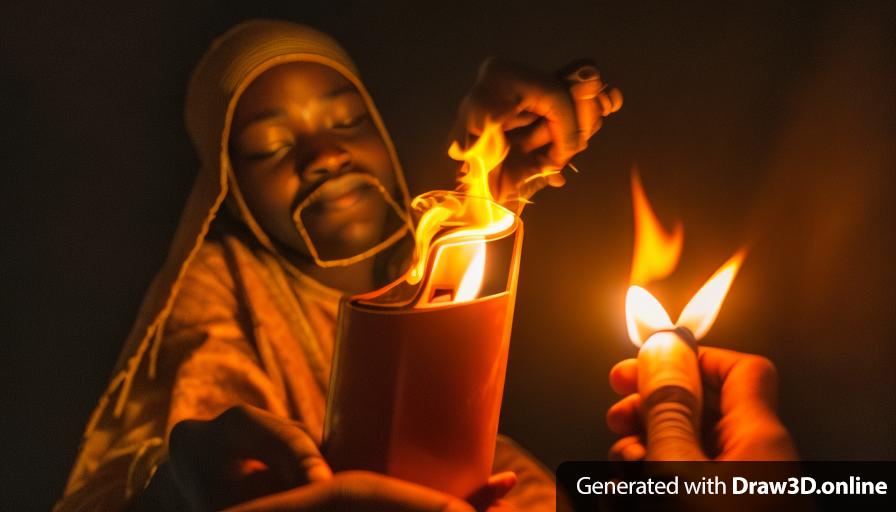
{"x":756,"y":123}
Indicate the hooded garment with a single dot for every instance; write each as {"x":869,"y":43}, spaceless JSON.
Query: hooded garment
{"x":227,"y":320}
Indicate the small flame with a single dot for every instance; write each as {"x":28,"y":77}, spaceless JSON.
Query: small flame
{"x":703,"y":308}
{"x":456,"y":274}
{"x":471,"y":216}
{"x":656,"y":250}
{"x":655,"y":257}
{"x":644,"y":315}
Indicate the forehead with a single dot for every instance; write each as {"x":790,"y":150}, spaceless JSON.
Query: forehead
{"x":290,"y":83}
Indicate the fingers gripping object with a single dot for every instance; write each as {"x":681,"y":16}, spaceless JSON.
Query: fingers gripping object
{"x":669,"y":380}
{"x":672,"y":393}
{"x":591,"y":96}
{"x":585,"y":84}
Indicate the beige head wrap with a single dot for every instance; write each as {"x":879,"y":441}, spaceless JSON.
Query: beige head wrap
{"x":232,"y":62}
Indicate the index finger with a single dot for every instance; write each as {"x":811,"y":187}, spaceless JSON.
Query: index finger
{"x":291,"y":436}
{"x":624,"y":377}
{"x":248,"y":432}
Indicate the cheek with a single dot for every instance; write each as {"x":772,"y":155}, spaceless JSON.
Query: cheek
{"x":372,"y":156}
{"x":269,"y":194}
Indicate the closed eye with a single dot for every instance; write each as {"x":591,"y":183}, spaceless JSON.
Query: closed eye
{"x":266,"y":153}
{"x":352,"y":122}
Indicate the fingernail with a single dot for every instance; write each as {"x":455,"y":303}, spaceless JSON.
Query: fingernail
{"x":586,"y":73}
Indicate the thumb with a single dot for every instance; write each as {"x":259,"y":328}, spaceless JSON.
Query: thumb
{"x":496,"y":489}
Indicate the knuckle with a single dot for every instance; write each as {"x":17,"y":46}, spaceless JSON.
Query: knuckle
{"x":236,"y":414}
{"x":183,"y":435}
{"x":178,"y":432}
{"x":762,"y":366}
{"x":763,"y":370}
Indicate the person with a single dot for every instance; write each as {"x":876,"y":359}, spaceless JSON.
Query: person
{"x":218,"y":397}
{"x":739,"y":421}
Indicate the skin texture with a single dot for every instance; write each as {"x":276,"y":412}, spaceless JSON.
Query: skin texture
{"x":739,"y":422}
{"x":300,"y":126}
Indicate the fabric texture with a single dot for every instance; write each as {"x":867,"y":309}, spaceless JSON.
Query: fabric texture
{"x":227,"y":320}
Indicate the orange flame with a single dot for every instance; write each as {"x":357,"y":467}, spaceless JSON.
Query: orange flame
{"x":457,"y":272}
{"x":655,"y":257}
{"x":703,"y":308}
{"x":656,"y":250}
{"x":458,"y":268}
{"x":644,"y":315}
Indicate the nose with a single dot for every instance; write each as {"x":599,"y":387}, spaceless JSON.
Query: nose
{"x":325,"y":163}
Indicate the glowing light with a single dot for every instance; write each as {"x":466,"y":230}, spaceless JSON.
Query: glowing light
{"x":655,"y":256}
{"x":656,"y":250}
{"x":644,"y":315}
{"x":471,"y":283}
{"x":703,"y":308}
{"x":467,"y":218}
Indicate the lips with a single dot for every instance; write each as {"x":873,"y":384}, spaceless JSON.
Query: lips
{"x":340,"y":193}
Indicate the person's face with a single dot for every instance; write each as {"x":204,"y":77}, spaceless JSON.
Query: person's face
{"x":300,"y":128}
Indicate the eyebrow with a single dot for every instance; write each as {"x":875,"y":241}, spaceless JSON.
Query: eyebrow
{"x":339,"y":91}
{"x":264,"y":115}
{"x":274,"y":113}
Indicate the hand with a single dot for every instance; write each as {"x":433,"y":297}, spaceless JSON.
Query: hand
{"x":366,"y":491}
{"x":261,"y":461}
{"x":739,"y":418}
{"x":243,"y":453}
{"x":546,"y":121}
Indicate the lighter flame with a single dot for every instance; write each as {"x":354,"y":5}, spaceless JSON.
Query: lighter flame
{"x":644,"y":315}
{"x":472,"y":216}
{"x":655,"y":257}
{"x":656,"y":250}
{"x":703,"y":308}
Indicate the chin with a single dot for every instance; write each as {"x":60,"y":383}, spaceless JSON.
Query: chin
{"x":351,"y":239}
{"x":360,"y":236}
